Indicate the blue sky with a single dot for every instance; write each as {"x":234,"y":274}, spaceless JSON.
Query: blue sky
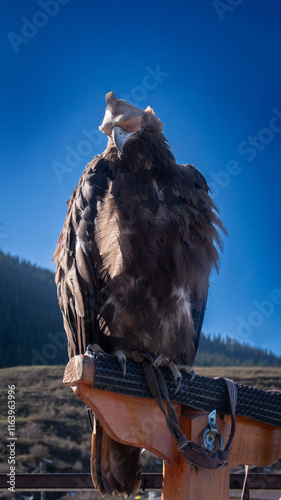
{"x":211,"y":70}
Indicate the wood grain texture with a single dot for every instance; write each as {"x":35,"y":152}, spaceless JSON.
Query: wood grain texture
{"x":139,"y":422}
{"x":132,"y":421}
{"x":254,"y":443}
{"x":80,"y":369}
{"x":182,"y":482}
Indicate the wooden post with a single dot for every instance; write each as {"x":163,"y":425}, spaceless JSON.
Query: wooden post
{"x":142,"y":424}
{"x":183,"y":482}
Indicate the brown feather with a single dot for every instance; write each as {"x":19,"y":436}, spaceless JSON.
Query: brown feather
{"x":115,"y":468}
{"x":107,"y":237}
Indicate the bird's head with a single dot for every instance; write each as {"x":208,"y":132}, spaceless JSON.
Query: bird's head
{"x":119,"y":136}
{"x":121,"y":120}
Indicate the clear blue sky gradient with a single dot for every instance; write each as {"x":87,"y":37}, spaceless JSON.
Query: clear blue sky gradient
{"x":212,"y":74}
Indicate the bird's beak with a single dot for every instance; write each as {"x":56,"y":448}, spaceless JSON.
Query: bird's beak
{"x":120,"y":136}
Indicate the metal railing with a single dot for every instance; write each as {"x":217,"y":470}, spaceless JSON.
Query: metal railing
{"x":149,"y":482}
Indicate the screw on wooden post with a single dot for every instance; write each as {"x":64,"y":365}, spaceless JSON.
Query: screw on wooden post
{"x":139,"y":422}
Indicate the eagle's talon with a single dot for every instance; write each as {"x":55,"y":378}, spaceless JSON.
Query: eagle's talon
{"x":155,"y":362}
{"x":178,"y":384}
{"x":122,"y":360}
{"x":175,"y":370}
{"x":187,"y":369}
{"x":91,"y":348}
{"x":124,"y":365}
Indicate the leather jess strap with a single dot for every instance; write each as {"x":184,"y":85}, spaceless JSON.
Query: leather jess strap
{"x":194,"y":454}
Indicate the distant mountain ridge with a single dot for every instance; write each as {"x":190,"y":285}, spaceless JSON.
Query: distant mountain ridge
{"x":31,"y":327}
{"x":220,"y":351}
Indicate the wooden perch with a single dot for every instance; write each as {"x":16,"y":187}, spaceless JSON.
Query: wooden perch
{"x":138,"y":421}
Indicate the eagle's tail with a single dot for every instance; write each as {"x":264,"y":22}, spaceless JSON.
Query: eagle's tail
{"x":115,"y":467}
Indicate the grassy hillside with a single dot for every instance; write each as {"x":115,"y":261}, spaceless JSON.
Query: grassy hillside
{"x":52,"y":424}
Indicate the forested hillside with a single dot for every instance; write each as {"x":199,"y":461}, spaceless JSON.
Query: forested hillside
{"x":220,"y":351}
{"x":31,"y":328}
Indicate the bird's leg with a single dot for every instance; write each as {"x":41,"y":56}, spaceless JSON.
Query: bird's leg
{"x":122,"y":360}
{"x":134,"y":355}
{"x":91,"y":348}
{"x":161,"y":360}
{"x":157,"y":360}
{"x":120,"y":355}
{"x":176,"y":372}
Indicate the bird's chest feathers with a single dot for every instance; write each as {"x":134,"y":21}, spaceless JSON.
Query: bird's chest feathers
{"x":129,"y":223}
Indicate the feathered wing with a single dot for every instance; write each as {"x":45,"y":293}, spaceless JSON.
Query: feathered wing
{"x":81,"y":293}
{"x":77,"y":278}
{"x":203,"y":238}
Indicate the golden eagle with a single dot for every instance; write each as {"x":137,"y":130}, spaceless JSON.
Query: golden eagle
{"x":133,"y":261}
